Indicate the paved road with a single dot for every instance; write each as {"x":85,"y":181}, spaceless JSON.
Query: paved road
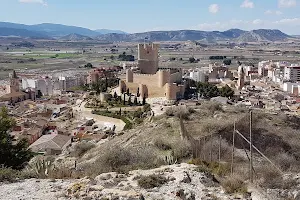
{"x":101,"y":120}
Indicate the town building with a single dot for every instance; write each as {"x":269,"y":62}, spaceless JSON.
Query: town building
{"x":198,"y":75}
{"x":292,"y":73}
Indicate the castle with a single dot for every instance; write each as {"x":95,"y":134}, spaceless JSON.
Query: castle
{"x":151,"y":81}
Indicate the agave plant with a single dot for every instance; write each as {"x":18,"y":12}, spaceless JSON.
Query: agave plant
{"x":42,"y":167}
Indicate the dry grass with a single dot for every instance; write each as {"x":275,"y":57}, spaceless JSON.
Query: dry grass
{"x":81,"y":148}
{"x":152,"y":181}
{"x":179,"y":111}
{"x":123,"y":160}
{"x":234,"y":185}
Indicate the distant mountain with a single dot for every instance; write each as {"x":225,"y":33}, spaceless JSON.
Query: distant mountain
{"x":74,"y":33}
{"x":181,"y":35}
{"x":234,"y":33}
{"x":23,"y":33}
{"x":58,"y":30}
{"x":107,"y":31}
{"x":75,"y":37}
{"x":262,"y":35}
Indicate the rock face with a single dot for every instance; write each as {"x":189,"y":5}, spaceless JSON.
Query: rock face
{"x":183,"y":183}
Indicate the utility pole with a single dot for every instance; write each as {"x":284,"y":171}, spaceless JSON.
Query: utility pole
{"x":232,"y":155}
{"x":251,"y":152}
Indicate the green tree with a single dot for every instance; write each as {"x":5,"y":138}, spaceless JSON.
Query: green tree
{"x":226,"y":91}
{"x":11,"y":155}
{"x":115,"y":95}
{"x":208,"y":90}
{"x":144,"y":100}
{"x":135,"y":102}
{"x":129,"y":101}
{"x":39,"y":94}
{"x":124,"y":101}
{"x":192,"y":60}
{"x":227,"y":62}
{"x":138,"y":92}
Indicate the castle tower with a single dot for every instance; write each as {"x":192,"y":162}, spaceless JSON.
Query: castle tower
{"x":241,"y":80}
{"x":14,"y":82}
{"x":148,"y":58}
{"x":129,"y":76}
{"x":143,"y":91}
{"x":163,"y":77}
{"x":170,"y":90}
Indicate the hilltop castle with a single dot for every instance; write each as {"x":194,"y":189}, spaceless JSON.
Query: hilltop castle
{"x":151,"y":81}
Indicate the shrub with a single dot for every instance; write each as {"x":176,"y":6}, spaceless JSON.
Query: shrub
{"x":63,"y":173}
{"x":234,"y":185}
{"x":152,"y":181}
{"x":178,"y":111}
{"x":162,"y":144}
{"x":285,"y":161}
{"x":181,"y":149}
{"x":123,"y":160}
{"x":211,"y":106}
{"x":8,"y":174}
{"x":81,"y":148}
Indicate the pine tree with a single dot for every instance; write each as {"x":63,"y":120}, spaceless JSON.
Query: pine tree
{"x":115,"y":95}
{"x":144,"y":100}
{"x":124,"y":101}
{"x":135,"y":101}
{"x":11,"y":155}
{"x":129,"y":101}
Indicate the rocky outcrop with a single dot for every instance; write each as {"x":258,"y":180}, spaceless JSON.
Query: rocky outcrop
{"x":183,"y":183}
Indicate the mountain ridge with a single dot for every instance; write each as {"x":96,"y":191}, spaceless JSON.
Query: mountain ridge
{"x":74,"y":33}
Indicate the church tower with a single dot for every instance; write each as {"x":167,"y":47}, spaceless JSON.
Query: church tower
{"x":241,"y":75}
{"x":14,"y":82}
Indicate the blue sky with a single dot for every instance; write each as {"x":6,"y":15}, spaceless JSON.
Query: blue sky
{"x":145,"y":15}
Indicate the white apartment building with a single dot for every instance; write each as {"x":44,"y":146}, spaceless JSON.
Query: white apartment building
{"x":50,"y":86}
{"x":198,"y":75}
{"x":292,"y":73}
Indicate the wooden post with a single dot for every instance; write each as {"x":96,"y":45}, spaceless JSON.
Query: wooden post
{"x":200,"y":149}
{"x":211,"y":145}
{"x":220,"y":138}
{"x":232,"y":155}
{"x":251,"y":152}
{"x":204,"y":151}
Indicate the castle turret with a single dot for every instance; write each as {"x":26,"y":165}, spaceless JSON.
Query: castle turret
{"x":143,"y":90}
{"x":163,"y":77}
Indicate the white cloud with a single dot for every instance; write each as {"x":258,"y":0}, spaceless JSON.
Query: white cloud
{"x":271,"y":12}
{"x":42,"y":2}
{"x":287,"y":3}
{"x":257,"y":22}
{"x":247,"y":4}
{"x":213,"y":8}
{"x":292,"y":21}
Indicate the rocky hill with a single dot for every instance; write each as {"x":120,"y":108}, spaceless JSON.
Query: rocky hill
{"x":22,"y":33}
{"x":209,"y":36}
{"x":262,"y":35}
{"x":47,"y":30}
{"x":75,"y":37}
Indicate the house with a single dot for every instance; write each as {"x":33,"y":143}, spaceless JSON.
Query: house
{"x":53,"y":144}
